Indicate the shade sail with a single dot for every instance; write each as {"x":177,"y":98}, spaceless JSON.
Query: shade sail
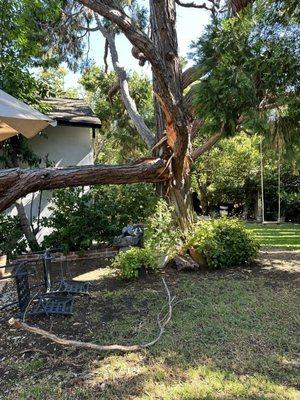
{"x":17,"y":117}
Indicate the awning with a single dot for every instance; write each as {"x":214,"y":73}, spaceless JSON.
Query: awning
{"x":17,"y":117}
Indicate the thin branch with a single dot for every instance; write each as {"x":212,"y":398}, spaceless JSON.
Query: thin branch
{"x":105,"y":56}
{"x":88,"y":29}
{"x":162,"y":323}
{"x":192,"y":4}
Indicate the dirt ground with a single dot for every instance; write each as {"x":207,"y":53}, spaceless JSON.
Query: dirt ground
{"x":29,"y":364}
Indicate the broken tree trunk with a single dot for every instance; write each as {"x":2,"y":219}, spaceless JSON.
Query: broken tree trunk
{"x":169,"y":93}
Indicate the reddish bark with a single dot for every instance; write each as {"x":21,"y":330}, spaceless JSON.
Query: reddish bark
{"x":16,"y":182}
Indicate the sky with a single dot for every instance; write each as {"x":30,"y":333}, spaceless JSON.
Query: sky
{"x":190,"y":24}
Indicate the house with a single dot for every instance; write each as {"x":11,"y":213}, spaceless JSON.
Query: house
{"x":69,"y":143}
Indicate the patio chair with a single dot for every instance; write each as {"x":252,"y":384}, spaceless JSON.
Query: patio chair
{"x":40,"y":303}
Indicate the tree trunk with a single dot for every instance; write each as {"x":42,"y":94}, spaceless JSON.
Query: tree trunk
{"x":169,"y":93}
{"x":25,"y":226}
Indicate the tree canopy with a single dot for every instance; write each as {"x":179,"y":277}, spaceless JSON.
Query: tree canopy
{"x":251,"y":71}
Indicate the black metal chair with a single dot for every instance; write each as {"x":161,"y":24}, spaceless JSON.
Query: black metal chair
{"x":40,"y":303}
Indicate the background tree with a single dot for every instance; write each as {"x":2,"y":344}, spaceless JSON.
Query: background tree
{"x":230,"y":175}
{"x":118,"y":140}
{"x":24,"y":45}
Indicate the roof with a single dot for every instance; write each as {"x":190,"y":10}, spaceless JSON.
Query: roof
{"x":74,"y":112}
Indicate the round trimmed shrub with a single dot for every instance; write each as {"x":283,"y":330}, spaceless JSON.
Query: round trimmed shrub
{"x":136,"y":259}
{"x":223,"y":242}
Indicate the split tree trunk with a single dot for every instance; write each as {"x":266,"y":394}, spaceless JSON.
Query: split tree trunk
{"x":168,"y":87}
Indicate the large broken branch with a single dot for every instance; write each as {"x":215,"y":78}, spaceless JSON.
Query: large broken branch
{"x":128,"y":101}
{"x":17,"y":182}
{"x":162,"y":322}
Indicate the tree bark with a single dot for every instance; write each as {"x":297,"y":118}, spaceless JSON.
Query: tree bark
{"x":16,"y":182}
{"x":170,"y":97}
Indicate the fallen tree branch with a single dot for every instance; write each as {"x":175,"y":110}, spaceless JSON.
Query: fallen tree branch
{"x":92,"y":346}
{"x":17,"y":182}
{"x":35,"y":350}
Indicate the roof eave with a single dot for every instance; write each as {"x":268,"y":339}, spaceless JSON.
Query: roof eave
{"x":79,"y":123}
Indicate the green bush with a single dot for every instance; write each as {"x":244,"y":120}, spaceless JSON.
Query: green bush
{"x":130,"y":262}
{"x":11,"y":235}
{"x":79,"y":218}
{"x":224,"y":242}
{"x":162,"y":235}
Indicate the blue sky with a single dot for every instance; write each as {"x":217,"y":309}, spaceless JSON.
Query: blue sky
{"x":190,"y":24}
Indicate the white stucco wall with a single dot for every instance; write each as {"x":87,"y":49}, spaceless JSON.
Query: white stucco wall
{"x":63,"y":146}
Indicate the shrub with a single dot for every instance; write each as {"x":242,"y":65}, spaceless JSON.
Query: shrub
{"x":11,"y":235}
{"x":162,"y":235}
{"x":130,"y":262}
{"x":224,"y":242}
{"x":79,"y":218}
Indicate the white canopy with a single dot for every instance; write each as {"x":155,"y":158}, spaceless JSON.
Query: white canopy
{"x":17,"y":117}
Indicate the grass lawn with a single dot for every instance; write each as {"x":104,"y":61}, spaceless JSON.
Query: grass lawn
{"x":273,"y":235}
{"x":233,"y":335}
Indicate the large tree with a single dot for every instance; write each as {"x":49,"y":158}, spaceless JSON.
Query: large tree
{"x":176,"y":122}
